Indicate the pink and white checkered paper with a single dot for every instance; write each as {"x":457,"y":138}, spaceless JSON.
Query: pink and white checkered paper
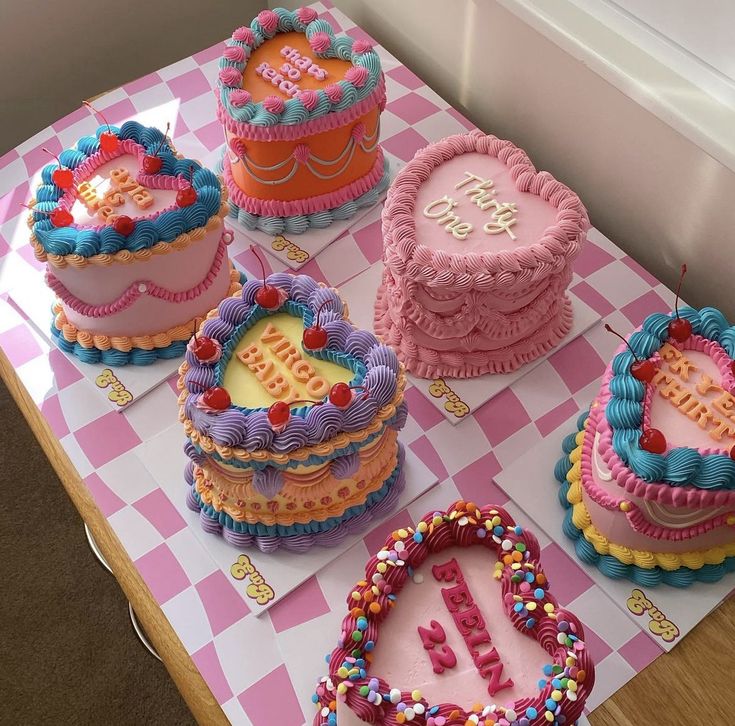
{"x":214,"y":621}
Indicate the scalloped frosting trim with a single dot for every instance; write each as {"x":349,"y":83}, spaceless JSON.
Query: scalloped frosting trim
{"x":374,"y":476}
{"x":362,"y":81}
{"x":85,"y":158}
{"x":359,"y":519}
{"x":127,"y":257}
{"x":124,"y":343}
{"x":624,"y":410}
{"x":309,"y":205}
{"x":463,"y":524}
{"x":581,"y":519}
{"x":141,"y":288}
{"x":507,"y":269}
{"x":431,"y":363}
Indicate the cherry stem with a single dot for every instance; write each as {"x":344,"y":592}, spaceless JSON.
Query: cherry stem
{"x":305,"y":400}
{"x":191,"y":175}
{"x":196,"y":325}
{"x":51,"y":153}
{"x":254,"y":250}
{"x":160,"y":143}
{"x":632,"y":352}
{"x":36,"y":209}
{"x":678,"y":289}
{"x":361,"y":388}
{"x":99,"y":113}
{"x":319,"y":312}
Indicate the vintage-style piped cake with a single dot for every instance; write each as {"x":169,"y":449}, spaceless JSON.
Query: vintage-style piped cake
{"x":648,"y":480}
{"x":301,"y":113}
{"x":134,"y":244}
{"x":453,"y":622}
{"x":292,"y":416}
{"x":478,"y":253}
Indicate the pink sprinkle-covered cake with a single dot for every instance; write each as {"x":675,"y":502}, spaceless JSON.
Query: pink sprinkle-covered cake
{"x":430,"y":638}
{"x":478,"y":255}
{"x":648,"y":480}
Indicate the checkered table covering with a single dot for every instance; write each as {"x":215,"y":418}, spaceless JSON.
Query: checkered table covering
{"x":207,"y":610}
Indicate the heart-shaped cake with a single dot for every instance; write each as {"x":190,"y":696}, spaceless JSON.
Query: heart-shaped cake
{"x":301,"y":112}
{"x":649,"y":479}
{"x":454,"y":624}
{"x":134,"y":244}
{"x":478,"y":255}
{"x":292,"y":416}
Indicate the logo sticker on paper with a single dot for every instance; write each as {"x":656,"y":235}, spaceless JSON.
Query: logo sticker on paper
{"x":659,"y":624}
{"x":118,"y":393}
{"x":257,"y":589}
{"x":293,"y":251}
{"x":454,"y":404}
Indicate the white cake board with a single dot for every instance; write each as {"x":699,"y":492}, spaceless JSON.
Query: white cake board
{"x":35,"y":299}
{"x":531,"y":484}
{"x":360,"y":292}
{"x":296,"y":250}
{"x":163,"y":456}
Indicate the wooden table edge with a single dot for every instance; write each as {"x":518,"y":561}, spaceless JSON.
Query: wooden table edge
{"x":177,"y":661}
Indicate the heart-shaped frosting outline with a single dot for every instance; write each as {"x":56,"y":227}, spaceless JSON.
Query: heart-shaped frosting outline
{"x":317,"y":111}
{"x":406,"y":256}
{"x":706,"y":469}
{"x":463,"y":524}
{"x":88,"y":241}
{"x":242,"y":434}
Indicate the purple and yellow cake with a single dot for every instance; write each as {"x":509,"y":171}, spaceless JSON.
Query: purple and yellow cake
{"x":292,"y":416}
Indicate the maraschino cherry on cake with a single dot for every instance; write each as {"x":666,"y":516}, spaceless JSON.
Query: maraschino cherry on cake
{"x":648,"y":480}
{"x":292,"y":417}
{"x":301,"y":110}
{"x":478,"y":253}
{"x":453,"y":623}
{"x":134,"y":244}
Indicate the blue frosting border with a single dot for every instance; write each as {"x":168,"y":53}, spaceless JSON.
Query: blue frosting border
{"x":683,"y":465}
{"x":609,"y":565}
{"x":87,"y":242}
{"x":294,"y":111}
{"x":305,"y":314}
{"x":118,"y":358}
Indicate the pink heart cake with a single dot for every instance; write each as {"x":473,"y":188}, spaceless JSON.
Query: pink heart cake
{"x":134,"y":245}
{"x":478,"y":252}
{"x":648,"y":480}
{"x":454,"y":624}
{"x":301,"y":111}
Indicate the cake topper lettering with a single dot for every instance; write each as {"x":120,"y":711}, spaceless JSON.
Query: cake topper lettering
{"x":123,"y":181}
{"x":267,"y":371}
{"x":454,"y":404}
{"x":502,"y":217}
{"x":286,"y":78}
{"x":471,"y":625}
{"x":659,"y":624}
{"x":258,"y":589}
{"x":716,"y":415}
{"x":441,"y":657}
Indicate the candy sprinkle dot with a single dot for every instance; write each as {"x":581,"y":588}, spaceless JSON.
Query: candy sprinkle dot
{"x":538,"y":593}
{"x":416,"y":695}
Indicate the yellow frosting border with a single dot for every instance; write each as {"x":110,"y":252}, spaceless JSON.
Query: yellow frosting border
{"x":124,"y":343}
{"x":127,"y":257}
{"x":694,"y":559}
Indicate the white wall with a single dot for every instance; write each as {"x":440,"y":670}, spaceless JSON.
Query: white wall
{"x":55,"y":53}
{"x":651,"y":190}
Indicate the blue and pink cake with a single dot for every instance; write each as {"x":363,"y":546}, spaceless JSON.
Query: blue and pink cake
{"x":134,"y":244}
{"x":453,"y":623}
{"x":292,"y":416}
{"x":648,"y":480}
{"x":301,"y":110}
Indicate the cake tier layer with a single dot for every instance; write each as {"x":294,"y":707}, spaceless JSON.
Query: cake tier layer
{"x":300,"y":537}
{"x":147,"y":297}
{"x":471,"y":355}
{"x":300,"y":494}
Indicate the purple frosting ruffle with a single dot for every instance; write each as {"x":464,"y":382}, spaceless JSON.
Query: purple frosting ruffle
{"x":343,"y":467}
{"x":268,"y":481}
{"x":251,"y":430}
